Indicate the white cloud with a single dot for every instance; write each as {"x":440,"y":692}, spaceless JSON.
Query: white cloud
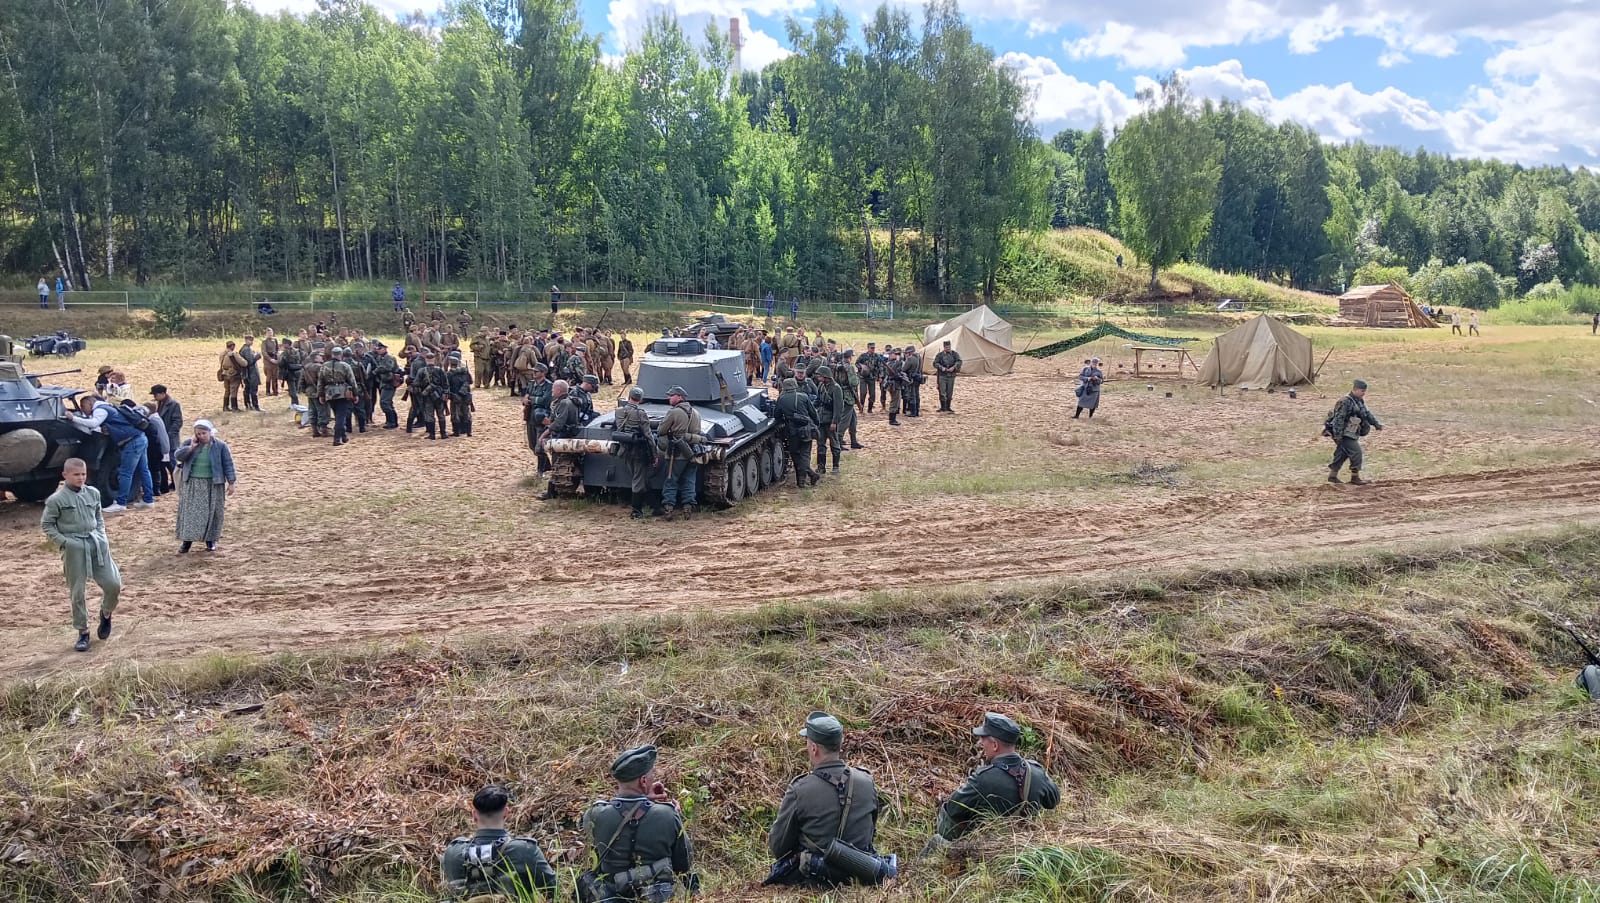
{"x":629,"y":17}
{"x":1063,"y":102}
{"x":762,"y":50}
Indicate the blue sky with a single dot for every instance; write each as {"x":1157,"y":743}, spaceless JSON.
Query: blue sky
{"x":1483,"y":78}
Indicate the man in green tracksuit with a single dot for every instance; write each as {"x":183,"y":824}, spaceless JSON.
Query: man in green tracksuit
{"x":74,"y":522}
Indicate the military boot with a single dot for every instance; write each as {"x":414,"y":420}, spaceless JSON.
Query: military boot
{"x":82,"y":645}
{"x":1355,"y":478}
{"x":669,"y":513}
{"x":835,"y":462}
{"x":893,"y":421}
{"x":549,"y":490}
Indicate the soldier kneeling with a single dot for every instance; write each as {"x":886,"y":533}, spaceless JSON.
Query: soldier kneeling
{"x":640,"y":849}
{"x":492,"y":864}
{"x":823,"y":835}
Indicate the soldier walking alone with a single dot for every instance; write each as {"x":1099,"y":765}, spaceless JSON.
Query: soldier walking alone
{"x":947,"y":364}
{"x":1346,"y":424}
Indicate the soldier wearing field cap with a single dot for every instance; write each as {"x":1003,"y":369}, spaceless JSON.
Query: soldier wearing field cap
{"x":637,"y":837}
{"x":1346,"y":424}
{"x":1007,"y":784}
{"x":492,"y":862}
{"x":833,"y":802}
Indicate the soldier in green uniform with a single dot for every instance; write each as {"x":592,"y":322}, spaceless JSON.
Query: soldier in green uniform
{"x":869,"y":366}
{"x":625,"y":358}
{"x":798,"y":417}
{"x":492,"y":863}
{"x":536,"y":402}
{"x":482,"y":360}
{"x":637,"y":837}
{"x":73,"y":521}
{"x":336,"y":385}
{"x":850,"y":384}
{"x":458,"y":385}
{"x":291,"y":361}
{"x":562,"y":423}
{"x":316,"y":408}
{"x":911,"y":366}
{"x":1007,"y":785}
{"x":946,"y":364}
{"x":678,"y":434}
{"x":830,"y":417}
{"x":385,"y":369}
{"x":433,"y":387}
{"x":1346,"y":424}
{"x":834,"y":804}
{"x":894,"y":382}
{"x":632,"y":428}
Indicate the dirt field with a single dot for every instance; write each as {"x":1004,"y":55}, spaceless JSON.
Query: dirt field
{"x":396,"y":537}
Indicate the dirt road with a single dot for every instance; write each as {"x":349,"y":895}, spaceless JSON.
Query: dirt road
{"x":394,"y":536}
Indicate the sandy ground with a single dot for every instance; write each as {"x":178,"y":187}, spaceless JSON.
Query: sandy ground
{"x":393,"y":536}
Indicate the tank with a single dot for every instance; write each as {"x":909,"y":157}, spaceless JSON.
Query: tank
{"x":34,"y":439}
{"x":744,"y":454}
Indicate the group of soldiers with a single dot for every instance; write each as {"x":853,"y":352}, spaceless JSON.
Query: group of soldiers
{"x":510,"y":357}
{"x":823,"y":836}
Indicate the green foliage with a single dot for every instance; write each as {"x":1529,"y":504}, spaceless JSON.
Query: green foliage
{"x":1519,"y":875}
{"x":1471,"y":285}
{"x":1583,"y":299}
{"x":1374,"y":274}
{"x":1164,"y":165}
{"x":1536,"y":312}
{"x":1067,"y":875}
{"x":169,"y":312}
{"x":1551,"y":289}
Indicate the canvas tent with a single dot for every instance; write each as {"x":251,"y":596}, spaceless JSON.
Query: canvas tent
{"x":980,"y":320}
{"x":980,"y":336}
{"x":1258,"y":355}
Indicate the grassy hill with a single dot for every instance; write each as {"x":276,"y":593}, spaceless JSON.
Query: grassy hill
{"x":1082,"y":264}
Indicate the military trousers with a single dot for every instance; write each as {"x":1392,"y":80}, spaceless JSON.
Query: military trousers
{"x":800,"y":460}
{"x":482,"y":373}
{"x":639,"y":467}
{"x":849,"y":425}
{"x":80,"y":564}
{"x":460,"y":416}
{"x":252,"y":394}
{"x":391,"y":417}
{"x":1346,"y":448}
{"x":947,"y":392}
{"x":292,"y":383}
{"x":892,"y":402}
{"x":341,"y":408}
{"x":431,"y":412}
{"x":230,"y":394}
{"x":627,"y":369}
{"x":866,"y":395}
{"x":271,"y":371}
{"x":913,"y":399}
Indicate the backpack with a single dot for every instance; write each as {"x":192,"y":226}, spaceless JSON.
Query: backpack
{"x":135,"y":416}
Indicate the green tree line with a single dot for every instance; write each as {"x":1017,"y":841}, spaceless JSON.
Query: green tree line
{"x":178,"y":142}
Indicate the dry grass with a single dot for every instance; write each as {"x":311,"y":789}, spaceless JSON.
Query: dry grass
{"x":1345,"y":731}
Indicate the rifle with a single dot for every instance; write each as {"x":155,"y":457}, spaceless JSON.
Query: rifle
{"x":602,"y":321}
{"x":1594,"y":659}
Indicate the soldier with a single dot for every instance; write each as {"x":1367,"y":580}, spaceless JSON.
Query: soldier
{"x":625,"y":358}
{"x":911,"y":367}
{"x":1007,"y":785}
{"x":250,"y":378}
{"x":269,"y":360}
{"x":433,"y":387}
{"x":336,"y":386}
{"x":583,"y":397}
{"x":291,"y":360}
{"x":798,"y":417}
{"x":833,"y":804}
{"x":894,"y":381}
{"x":789,"y":345}
{"x":678,"y":434}
{"x":1346,"y":424}
{"x":522,"y":361}
{"x":230,"y":372}
{"x":414,"y":363}
{"x":458,"y":382}
{"x":632,"y":426}
{"x":73,"y":521}
{"x":491,"y":861}
{"x":362,"y":398}
{"x":947,"y":364}
{"x":386,"y":376}
{"x":463,"y":322}
{"x":482,"y":361}
{"x":869,"y":366}
{"x":830,"y":417}
{"x":536,"y":403}
{"x":562,"y":423}
{"x":316,"y":408}
{"x":637,"y":837}
{"x":850,"y":383}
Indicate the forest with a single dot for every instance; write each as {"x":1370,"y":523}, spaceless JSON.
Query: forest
{"x":153,"y":142}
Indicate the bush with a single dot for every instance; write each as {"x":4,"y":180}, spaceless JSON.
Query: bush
{"x":1473,"y":285}
{"x":1373,"y":274}
{"x":169,"y":312}
{"x":1536,"y":312}
{"x":1583,"y":299}
{"x":1551,"y":289}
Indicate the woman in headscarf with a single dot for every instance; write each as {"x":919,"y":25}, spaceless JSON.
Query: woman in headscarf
{"x":205,"y":481}
{"x":1089,"y":380}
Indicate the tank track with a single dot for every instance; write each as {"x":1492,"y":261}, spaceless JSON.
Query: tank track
{"x":566,"y":474}
{"x":718,"y":475}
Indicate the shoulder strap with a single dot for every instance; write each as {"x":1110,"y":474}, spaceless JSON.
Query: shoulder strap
{"x":1027,"y":787}
{"x":626,"y":819}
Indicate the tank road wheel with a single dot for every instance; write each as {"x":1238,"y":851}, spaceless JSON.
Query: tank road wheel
{"x":737,"y":487}
{"x":753,"y":476}
{"x":780,"y":462}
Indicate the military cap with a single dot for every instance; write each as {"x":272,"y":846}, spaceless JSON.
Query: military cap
{"x":789,"y":383}
{"x":636,"y":394}
{"x":591,"y":378}
{"x":947,"y":343}
{"x":999,"y":727}
{"x":454,"y":355}
{"x":1359,"y":384}
{"x":336,"y":350}
{"x":677,"y":390}
{"x":824,"y":371}
{"x":634,"y":764}
{"x":849,"y":352}
{"x":104,"y":368}
{"x":872,"y":344}
{"x":824,"y":729}
{"x":541,"y":368}
{"x":377,"y":344}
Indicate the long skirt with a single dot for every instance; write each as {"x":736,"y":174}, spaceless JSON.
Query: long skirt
{"x":200,"y":507}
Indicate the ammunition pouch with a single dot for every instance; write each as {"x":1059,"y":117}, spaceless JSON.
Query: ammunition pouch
{"x":336,"y":390}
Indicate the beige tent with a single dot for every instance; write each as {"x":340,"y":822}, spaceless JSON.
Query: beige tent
{"x":1258,"y":355}
{"x":979,"y":356}
{"x":980,"y":320}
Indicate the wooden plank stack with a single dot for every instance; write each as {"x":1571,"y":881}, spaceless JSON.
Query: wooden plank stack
{"x":1382,"y":306}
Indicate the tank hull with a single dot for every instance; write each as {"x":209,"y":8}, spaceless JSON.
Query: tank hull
{"x":35,"y":441}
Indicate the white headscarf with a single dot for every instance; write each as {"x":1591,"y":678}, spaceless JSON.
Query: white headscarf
{"x":206,"y":425}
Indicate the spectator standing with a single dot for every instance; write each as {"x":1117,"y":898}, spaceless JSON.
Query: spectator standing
{"x":171,"y":414}
{"x":44,"y":294}
{"x":399,"y":297}
{"x":206,"y":481}
{"x":1089,"y":380}
{"x":555,"y":299}
{"x":125,"y":424}
{"x":158,"y":451}
{"x":1472,"y":324}
{"x":766,"y":353}
{"x":61,"y":294}
{"x":794,"y":309}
